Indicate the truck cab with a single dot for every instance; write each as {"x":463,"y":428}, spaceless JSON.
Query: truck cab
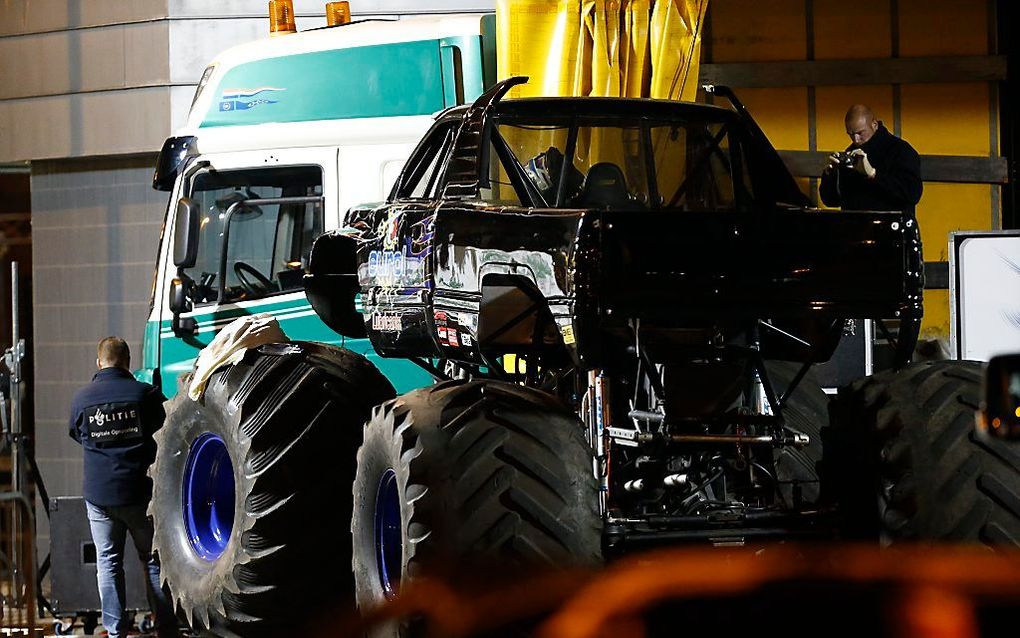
{"x":309,"y":125}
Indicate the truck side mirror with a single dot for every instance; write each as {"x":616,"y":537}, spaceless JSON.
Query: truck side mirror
{"x":180,"y":302}
{"x":999,"y":415}
{"x":186,"y":225}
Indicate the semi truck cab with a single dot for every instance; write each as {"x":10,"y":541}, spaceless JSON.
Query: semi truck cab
{"x":284,"y":136}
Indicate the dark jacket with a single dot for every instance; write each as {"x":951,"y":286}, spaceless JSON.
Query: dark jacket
{"x":897,"y":183}
{"x":113,"y":418}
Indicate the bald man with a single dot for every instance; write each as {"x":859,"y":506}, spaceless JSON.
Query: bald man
{"x":885,"y":171}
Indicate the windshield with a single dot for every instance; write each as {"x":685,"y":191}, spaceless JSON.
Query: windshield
{"x":616,"y":164}
{"x":268,"y":244}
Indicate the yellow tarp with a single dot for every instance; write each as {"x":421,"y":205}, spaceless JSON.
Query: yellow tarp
{"x":610,"y":48}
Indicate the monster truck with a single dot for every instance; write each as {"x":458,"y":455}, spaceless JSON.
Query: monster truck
{"x":621,"y":301}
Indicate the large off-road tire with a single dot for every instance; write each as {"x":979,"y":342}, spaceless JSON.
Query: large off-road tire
{"x":252,"y":488}
{"x":473,"y":475}
{"x":903,"y":461}
{"x":807,"y":411}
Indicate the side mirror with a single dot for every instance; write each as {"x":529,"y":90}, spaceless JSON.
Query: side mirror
{"x":999,"y":415}
{"x":180,"y":302}
{"x":186,"y":225}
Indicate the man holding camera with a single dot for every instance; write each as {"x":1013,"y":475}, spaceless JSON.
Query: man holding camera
{"x":878,"y":171}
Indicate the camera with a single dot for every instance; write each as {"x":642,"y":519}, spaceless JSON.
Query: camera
{"x":846,"y":160}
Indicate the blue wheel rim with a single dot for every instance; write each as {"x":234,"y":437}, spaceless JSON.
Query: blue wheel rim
{"x":208,"y":501}
{"x":389,"y":543}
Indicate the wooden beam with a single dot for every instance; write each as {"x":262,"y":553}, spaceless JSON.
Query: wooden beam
{"x":934,"y":168}
{"x":979,"y":68}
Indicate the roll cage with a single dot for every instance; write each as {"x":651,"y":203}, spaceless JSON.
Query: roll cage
{"x":446,"y":165}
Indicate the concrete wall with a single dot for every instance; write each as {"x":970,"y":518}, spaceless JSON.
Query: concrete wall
{"x":84,"y":78}
{"x":107,"y":77}
{"x":95,"y":229}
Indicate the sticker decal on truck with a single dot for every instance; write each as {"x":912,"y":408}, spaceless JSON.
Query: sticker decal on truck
{"x":245,"y":99}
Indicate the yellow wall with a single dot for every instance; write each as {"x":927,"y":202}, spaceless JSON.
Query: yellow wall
{"x":937,"y":119}
{"x":850,"y":30}
{"x":765,"y":30}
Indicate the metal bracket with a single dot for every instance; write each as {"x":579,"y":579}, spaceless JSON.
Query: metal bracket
{"x":14,"y":355}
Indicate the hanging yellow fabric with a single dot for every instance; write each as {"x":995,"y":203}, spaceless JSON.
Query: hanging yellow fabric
{"x":676,"y":48}
{"x":538,"y":38}
{"x":613,"y":48}
{"x":561,"y":56}
{"x":601,"y":19}
{"x":635,"y":60}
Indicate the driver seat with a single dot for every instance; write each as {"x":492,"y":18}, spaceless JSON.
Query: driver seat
{"x":605,"y":187}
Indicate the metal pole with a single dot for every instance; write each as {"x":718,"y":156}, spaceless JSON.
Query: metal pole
{"x":17,"y":346}
{"x":13,"y":360}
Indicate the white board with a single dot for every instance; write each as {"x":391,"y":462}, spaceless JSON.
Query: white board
{"x":987,"y":295}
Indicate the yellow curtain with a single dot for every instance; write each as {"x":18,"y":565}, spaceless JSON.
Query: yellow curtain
{"x":612,"y":48}
{"x":676,"y":27}
{"x":636,"y":62}
{"x":539,"y":39}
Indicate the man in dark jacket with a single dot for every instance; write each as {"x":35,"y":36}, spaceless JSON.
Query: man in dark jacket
{"x":113,"y":418}
{"x":878,"y":171}
{"x":884,"y":171}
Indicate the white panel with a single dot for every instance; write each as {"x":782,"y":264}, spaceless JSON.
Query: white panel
{"x":366,"y":172}
{"x":989,"y":296}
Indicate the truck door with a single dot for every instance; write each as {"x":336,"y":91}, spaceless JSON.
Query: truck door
{"x":252,"y":261}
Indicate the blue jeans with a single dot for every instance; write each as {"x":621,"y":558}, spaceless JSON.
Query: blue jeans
{"x":110,"y":526}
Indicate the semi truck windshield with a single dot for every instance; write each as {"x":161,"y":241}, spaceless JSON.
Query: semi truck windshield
{"x":268,"y":244}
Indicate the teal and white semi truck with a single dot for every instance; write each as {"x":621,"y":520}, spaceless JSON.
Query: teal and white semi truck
{"x":330,"y":113}
{"x":252,"y":484}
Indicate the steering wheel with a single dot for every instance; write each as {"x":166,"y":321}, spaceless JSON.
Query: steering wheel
{"x":257,"y":288}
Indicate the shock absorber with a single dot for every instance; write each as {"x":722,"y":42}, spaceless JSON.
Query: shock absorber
{"x":602,"y":418}
{"x":758,"y":400}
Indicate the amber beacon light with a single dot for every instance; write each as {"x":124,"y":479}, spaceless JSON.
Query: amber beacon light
{"x":281,"y":17}
{"x":338,"y":13}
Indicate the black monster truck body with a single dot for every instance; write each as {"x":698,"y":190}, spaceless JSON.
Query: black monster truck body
{"x":653,"y":282}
